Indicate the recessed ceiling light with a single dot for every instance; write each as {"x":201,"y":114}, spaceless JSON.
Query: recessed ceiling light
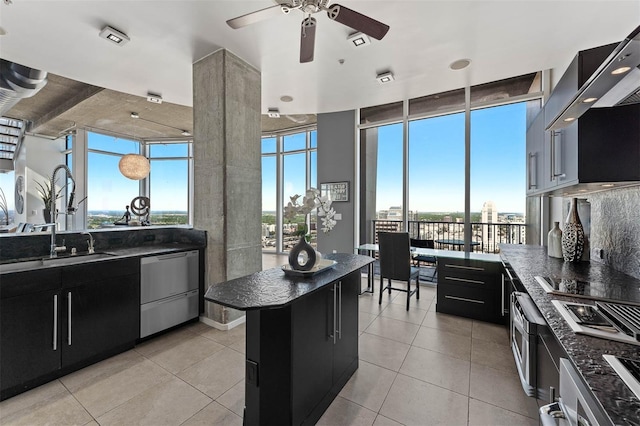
{"x":460,"y":64}
{"x":620,"y":70}
{"x":185,"y":133}
{"x":286,"y":98}
{"x":589,"y":100}
{"x":113,"y":35}
{"x":273,"y":113}
{"x":358,"y":39}
{"x":135,"y":115}
{"x":569,"y":119}
{"x":386,"y":77}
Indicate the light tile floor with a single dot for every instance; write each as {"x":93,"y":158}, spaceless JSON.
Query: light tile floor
{"x":416,"y":368}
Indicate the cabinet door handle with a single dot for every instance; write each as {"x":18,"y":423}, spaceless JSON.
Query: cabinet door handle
{"x":464,"y":280}
{"x":533,"y":179}
{"x":555,"y":157}
{"x":55,"y":322}
{"x":69,"y":318}
{"x":552,"y":159}
{"x":339,"y":310}
{"x":464,"y":299}
{"x":335,"y":312}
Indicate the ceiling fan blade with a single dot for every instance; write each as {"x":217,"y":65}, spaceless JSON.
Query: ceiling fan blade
{"x":358,"y":21}
{"x":257,"y":16}
{"x":307,"y":39}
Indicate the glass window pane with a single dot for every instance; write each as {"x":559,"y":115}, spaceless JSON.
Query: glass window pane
{"x":108,"y":191}
{"x":269,"y":145}
{"x":169,"y":192}
{"x":111,"y":144}
{"x":436,"y":177}
{"x":169,"y":150}
{"x":498,"y":173}
{"x":502,"y":90}
{"x":381,"y":113}
{"x":7,"y":183}
{"x":314,"y":139}
{"x":440,"y":102}
{"x":295,"y":142}
{"x":294,"y":182}
{"x":269,"y":200}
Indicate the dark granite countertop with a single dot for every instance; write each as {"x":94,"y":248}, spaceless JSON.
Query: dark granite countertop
{"x":585,"y":352}
{"x":273,"y":289}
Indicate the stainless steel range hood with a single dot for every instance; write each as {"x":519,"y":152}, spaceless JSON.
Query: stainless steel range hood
{"x":608,"y":85}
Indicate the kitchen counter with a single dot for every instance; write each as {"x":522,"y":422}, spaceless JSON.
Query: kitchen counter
{"x":40,"y":262}
{"x":585,"y":352}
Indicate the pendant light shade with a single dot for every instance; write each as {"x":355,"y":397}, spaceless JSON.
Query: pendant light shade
{"x":134,"y":166}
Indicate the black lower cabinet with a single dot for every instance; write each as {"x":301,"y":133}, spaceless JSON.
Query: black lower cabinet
{"x":56,"y":320}
{"x":100,"y":316}
{"x":30,"y":338}
{"x":300,"y":356}
{"x":471,"y":288}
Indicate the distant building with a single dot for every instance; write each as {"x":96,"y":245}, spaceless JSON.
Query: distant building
{"x":489,"y":232}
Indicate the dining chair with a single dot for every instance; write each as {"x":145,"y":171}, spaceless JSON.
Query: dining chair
{"x":430,"y":261}
{"x":395,"y":263}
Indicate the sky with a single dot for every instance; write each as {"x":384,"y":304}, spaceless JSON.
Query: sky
{"x":436,"y":163}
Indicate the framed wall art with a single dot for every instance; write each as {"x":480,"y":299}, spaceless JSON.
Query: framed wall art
{"x":337,"y":191}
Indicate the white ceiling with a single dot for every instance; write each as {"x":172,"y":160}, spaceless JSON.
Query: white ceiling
{"x":502,"y":38}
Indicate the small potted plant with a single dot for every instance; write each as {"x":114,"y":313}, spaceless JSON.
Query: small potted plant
{"x":45,"y":191}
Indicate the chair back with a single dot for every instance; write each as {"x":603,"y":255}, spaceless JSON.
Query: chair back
{"x":395,"y":255}
{"x":422,"y":243}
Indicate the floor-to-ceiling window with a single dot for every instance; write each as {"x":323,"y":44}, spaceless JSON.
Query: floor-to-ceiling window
{"x":289,"y":167}
{"x":431,"y":179}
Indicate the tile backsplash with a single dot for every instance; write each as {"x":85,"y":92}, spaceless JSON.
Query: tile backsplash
{"x":615,"y":228}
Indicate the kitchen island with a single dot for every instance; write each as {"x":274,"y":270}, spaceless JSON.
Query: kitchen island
{"x":616,"y":400}
{"x":302,"y":338}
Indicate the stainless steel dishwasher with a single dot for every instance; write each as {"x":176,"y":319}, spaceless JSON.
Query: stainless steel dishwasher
{"x":168,"y":291}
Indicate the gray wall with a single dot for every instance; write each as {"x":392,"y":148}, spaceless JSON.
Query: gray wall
{"x":615,"y":228}
{"x":336,"y":161}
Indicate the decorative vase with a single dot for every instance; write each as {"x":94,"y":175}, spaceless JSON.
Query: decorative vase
{"x":554,"y":241}
{"x":46,"y":213}
{"x":573,"y":235}
{"x":302,"y":256}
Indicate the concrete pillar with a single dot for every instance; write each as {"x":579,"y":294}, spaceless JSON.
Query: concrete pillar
{"x":227,"y":172}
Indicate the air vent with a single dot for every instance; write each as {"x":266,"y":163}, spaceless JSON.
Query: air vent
{"x":634,"y":98}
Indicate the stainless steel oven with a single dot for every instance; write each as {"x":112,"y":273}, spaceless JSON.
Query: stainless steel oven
{"x":525,"y":320}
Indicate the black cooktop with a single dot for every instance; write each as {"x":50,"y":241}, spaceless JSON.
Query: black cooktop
{"x":593,"y":290}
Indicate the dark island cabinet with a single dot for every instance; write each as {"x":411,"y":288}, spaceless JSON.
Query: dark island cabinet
{"x":302,"y":355}
{"x":56,"y":320}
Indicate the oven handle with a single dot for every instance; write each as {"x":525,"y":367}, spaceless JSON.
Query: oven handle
{"x":550,"y":413}
{"x":528,"y":309}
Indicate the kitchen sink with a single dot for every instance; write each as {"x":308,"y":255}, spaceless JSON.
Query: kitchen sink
{"x":52,"y":262}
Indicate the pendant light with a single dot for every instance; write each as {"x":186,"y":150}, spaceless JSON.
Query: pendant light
{"x":134,"y":166}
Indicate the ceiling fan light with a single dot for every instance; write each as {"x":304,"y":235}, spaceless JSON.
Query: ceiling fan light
{"x":134,"y":166}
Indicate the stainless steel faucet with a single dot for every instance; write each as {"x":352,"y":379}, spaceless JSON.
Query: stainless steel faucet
{"x":89,"y":242}
{"x":54,"y":212}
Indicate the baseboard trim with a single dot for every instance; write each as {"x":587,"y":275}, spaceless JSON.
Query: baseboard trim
{"x":224,"y":327}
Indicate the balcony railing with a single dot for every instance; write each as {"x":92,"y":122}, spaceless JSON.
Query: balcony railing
{"x":486,"y":235}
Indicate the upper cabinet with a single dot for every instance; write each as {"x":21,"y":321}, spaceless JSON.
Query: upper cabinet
{"x":599,"y":148}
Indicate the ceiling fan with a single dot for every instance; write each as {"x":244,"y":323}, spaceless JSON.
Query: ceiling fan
{"x":336,"y":12}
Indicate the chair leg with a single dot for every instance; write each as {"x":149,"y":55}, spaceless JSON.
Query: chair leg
{"x":380,"y":299}
{"x":418,"y":287}
{"x":389,"y":285}
{"x":408,"y":293}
